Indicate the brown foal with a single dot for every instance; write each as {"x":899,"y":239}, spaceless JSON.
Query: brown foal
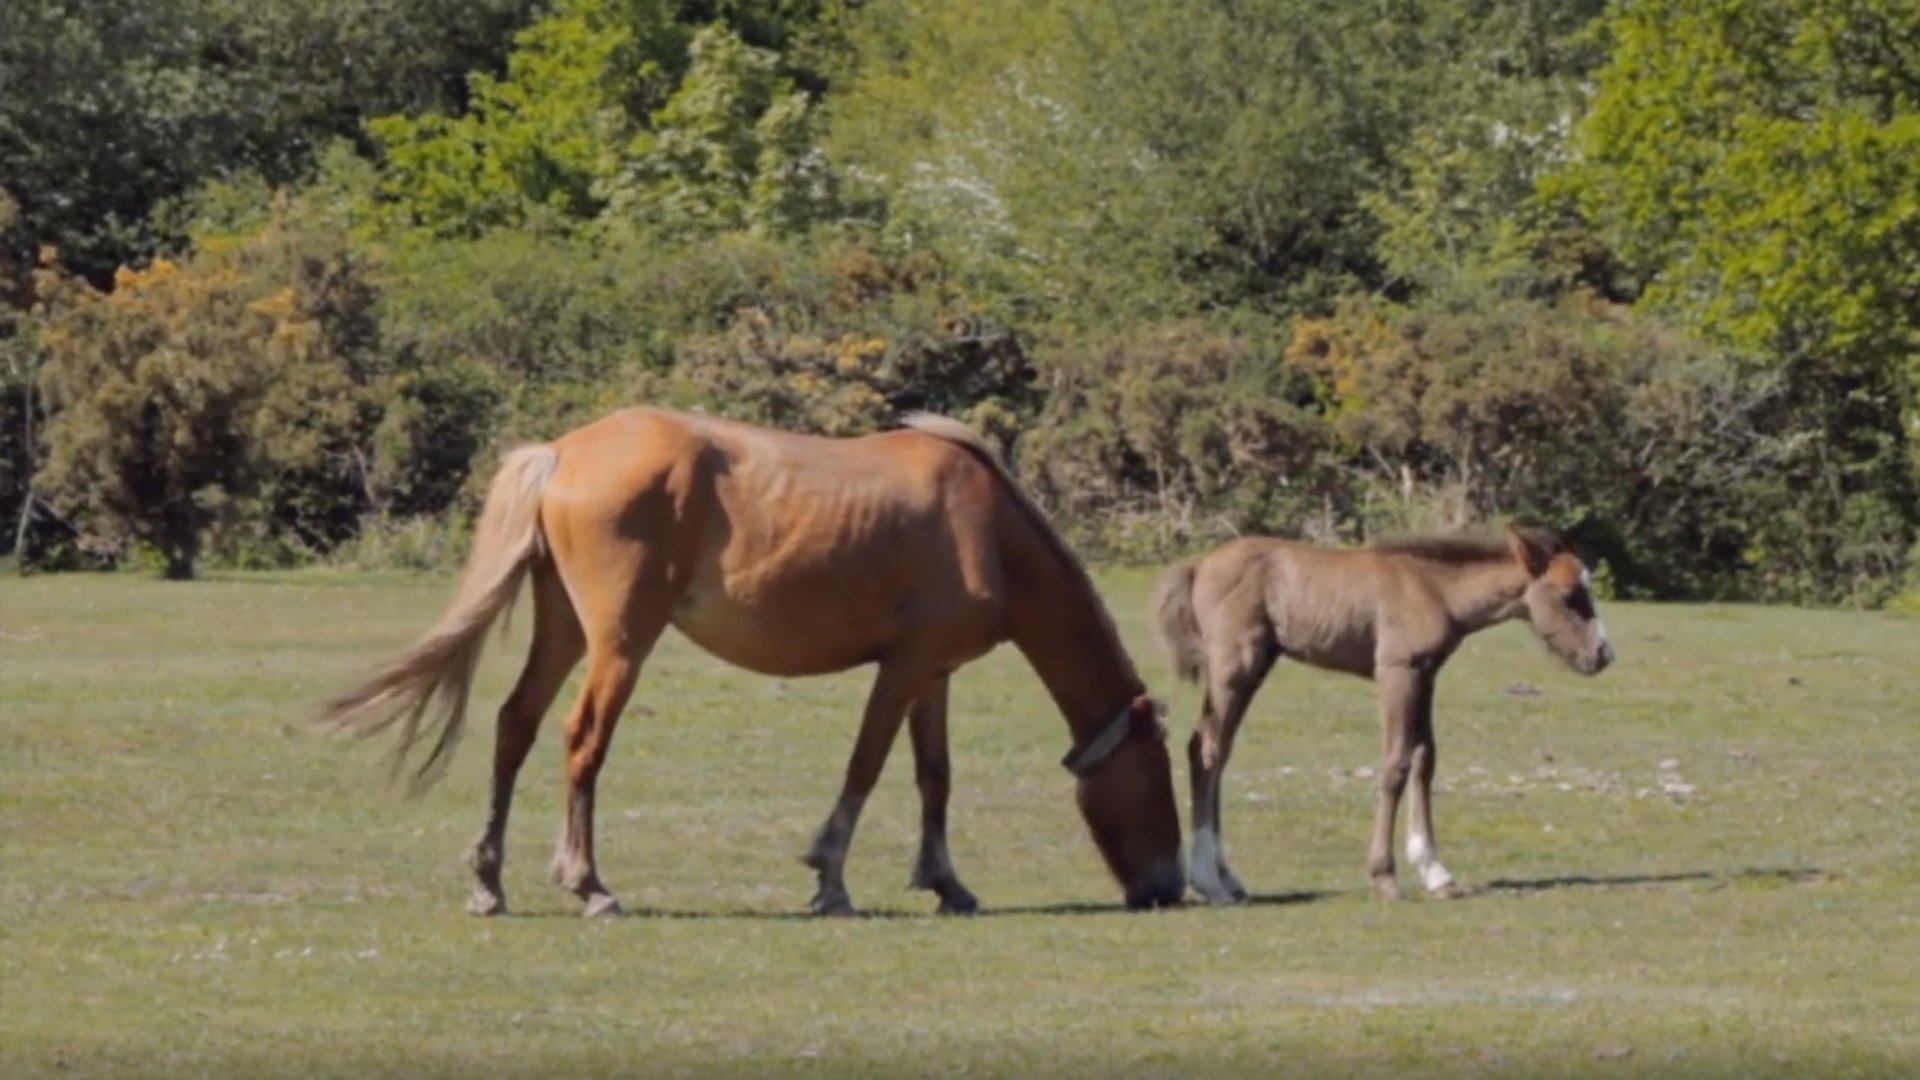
{"x":786,"y":555}
{"x":1392,"y":612}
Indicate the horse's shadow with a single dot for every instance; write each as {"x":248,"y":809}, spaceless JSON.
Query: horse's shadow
{"x":1065,"y":908}
{"x":1795,"y":875}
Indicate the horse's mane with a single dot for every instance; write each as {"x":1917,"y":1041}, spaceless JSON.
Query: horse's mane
{"x":953,"y":431}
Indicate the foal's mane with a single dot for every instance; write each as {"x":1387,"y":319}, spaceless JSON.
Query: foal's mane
{"x":953,"y":431}
{"x":1452,"y":550}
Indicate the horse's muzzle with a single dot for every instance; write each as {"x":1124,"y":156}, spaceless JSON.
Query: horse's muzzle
{"x":1163,"y":886}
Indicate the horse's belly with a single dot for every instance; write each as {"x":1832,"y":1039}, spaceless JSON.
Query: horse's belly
{"x":772,"y":644}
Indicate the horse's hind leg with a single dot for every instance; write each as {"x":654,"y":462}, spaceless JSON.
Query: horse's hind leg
{"x":933,"y":869}
{"x":551,"y":656}
{"x":1234,"y":674}
{"x":621,"y":627}
{"x":897,"y":686}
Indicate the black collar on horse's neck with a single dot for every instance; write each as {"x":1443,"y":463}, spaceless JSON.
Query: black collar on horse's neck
{"x":1086,"y":758}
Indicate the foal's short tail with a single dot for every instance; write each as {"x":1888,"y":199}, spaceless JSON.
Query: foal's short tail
{"x":436,"y":674}
{"x":1174,"y":622}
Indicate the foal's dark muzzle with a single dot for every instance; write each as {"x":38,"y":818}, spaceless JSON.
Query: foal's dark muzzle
{"x":1605,"y":658}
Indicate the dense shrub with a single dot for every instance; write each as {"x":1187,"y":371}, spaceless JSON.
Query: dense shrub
{"x":1154,"y":442}
{"x":214,"y":403}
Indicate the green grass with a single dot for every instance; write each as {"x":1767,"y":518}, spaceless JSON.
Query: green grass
{"x":195,"y":883}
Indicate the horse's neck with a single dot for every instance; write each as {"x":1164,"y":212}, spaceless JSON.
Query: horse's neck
{"x":1483,"y":594}
{"x":1061,"y":627}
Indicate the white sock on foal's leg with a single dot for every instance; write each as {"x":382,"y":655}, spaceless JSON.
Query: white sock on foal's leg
{"x":1426,"y":862}
{"x":1204,"y":868}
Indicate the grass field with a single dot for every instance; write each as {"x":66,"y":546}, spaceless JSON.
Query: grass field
{"x":1700,"y":864}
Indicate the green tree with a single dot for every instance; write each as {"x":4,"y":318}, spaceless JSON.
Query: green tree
{"x":1756,"y":163}
{"x":617,"y":105}
{"x":105,"y":112}
{"x":1150,"y":158}
{"x":733,"y":148}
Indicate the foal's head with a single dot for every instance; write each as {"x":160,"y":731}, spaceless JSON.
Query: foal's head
{"x":1559,"y":600}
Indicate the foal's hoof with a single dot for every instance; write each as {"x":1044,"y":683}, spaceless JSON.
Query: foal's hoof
{"x":483,"y":902}
{"x":832,"y":902}
{"x":1449,"y":891}
{"x":1386,"y":887}
{"x":602,"y":906}
{"x":1220,"y":890}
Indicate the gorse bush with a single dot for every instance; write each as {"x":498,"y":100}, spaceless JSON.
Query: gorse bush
{"x":210,"y":403}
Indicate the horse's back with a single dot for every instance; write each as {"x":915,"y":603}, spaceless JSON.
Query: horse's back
{"x":794,"y":554}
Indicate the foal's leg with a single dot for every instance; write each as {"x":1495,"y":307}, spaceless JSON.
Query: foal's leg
{"x":1232,"y":680}
{"x":1401,"y":690}
{"x":1423,"y":849}
{"x":895,"y":688}
{"x":933,"y":869}
{"x":616,"y":647}
{"x":555,"y":649}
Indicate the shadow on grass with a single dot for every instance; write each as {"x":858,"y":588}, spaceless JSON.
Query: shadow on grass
{"x":1065,"y":908}
{"x":1789,"y":875}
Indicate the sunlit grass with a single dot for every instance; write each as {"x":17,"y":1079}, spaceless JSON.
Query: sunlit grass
{"x":1701,"y":863}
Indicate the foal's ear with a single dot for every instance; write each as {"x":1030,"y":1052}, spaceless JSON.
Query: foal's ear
{"x":1531,"y":549}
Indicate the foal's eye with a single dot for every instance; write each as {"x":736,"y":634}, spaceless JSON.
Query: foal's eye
{"x":1580,"y":602}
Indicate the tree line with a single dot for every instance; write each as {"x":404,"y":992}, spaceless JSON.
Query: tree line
{"x":278,"y":278}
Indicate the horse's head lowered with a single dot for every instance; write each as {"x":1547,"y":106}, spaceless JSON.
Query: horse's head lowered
{"x":1559,"y":600}
{"x":1126,"y":795}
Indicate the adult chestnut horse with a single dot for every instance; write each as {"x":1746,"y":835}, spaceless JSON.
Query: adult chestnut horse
{"x":1392,"y":612}
{"x":786,"y":555}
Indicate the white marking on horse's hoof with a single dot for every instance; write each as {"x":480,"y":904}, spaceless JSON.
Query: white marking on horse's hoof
{"x":484,"y":903}
{"x":603,"y":906}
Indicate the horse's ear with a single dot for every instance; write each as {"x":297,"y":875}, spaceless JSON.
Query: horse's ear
{"x":1149,"y":717}
{"x":1530,"y":549}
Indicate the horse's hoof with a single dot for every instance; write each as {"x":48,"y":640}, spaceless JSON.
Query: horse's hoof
{"x":1387,"y":888}
{"x":1236,"y":892}
{"x":1449,"y":891}
{"x":484,"y":903}
{"x":956,"y":900}
{"x":603,"y":906}
{"x":835,"y":902}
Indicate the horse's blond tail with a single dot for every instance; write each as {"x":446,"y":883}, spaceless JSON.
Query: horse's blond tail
{"x":1175,"y":624}
{"x":436,"y":674}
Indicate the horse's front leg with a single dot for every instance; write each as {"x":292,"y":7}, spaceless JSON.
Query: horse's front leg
{"x":896,"y":687}
{"x":1401,"y":689}
{"x":933,"y":773}
{"x":1423,"y":850}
